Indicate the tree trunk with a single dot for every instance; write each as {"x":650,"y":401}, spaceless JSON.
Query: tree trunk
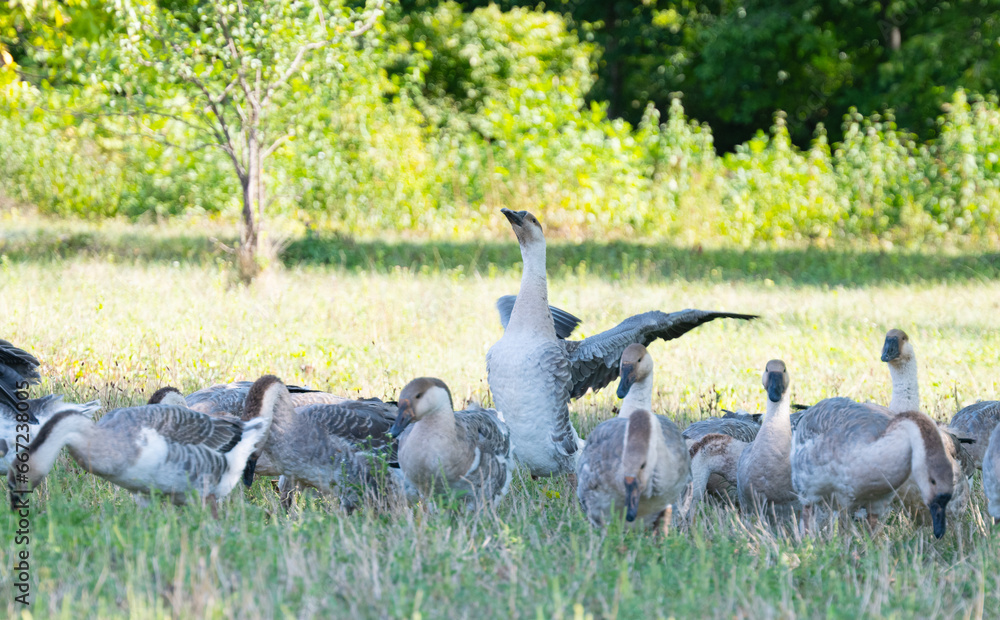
{"x":247,"y":255}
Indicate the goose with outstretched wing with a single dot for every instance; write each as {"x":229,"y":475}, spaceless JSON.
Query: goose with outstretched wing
{"x":534,"y":373}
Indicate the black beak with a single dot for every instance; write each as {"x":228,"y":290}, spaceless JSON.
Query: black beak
{"x":516,"y":218}
{"x":404,"y":415}
{"x":937,"y":507}
{"x":631,"y":498}
{"x":249,"y":469}
{"x":775,"y":386}
{"x":628,"y":378}
{"x":890,"y":350}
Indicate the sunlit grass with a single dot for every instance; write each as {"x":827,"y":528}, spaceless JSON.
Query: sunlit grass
{"x":118,"y":330}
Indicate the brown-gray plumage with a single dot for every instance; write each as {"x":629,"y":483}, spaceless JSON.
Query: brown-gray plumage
{"x":466,"y":453}
{"x":991,"y":475}
{"x":163,"y":448}
{"x":18,"y":370}
{"x":764,"y":470}
{"x":313,"y":445}
{"x":637,"y":465}
{"x":857,"y":456}
{"x":740,"y":426}
{"x":976,"y":422}
{"x":533,"y":374}
{"x":228,"y":399}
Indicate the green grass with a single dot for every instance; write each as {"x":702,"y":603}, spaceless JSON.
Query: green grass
{"x":117,"y":328}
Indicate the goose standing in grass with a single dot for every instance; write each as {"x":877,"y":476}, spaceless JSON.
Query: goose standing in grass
{"x":446,"y":451}
{"x":854,"y":456}
{"x":898,"y":353}
{"x":533,"y":374}
{"x":163,"y":448}
{"x":18,"y":370}
{"x":638,"y":465}
{"x":991,"y":475}
{"x":764,"y":470}
{"x":312,"y":446}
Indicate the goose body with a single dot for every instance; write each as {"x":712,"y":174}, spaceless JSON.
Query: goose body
{"x":856,"y":456}
{"x":977,"y":422}
{"x":319,"y":447}
{"x":741,"y":426}
{"x":39,"y":409}
{"x":715,"y":446}
{"x":534,"y":374}
{"x":163,"y":448}
{"x":637,"y":465}
{"x":991,"y":475}
{"x":467,"y":453}
{"x":228,"y":399}
{"x":764,"y":470}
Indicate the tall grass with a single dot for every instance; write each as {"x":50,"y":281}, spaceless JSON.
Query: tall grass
{"x":119,"y":328}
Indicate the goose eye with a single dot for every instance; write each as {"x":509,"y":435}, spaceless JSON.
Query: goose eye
{"x":643,"y":466}
{"x":933,"y":481}
{"x":420,"y":395}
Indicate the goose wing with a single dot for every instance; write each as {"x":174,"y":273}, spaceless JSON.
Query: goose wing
{"x":17,"y":366}
{"x":228,"y":399}
{"x":594,"y":361}
{"x":179,"y":425}
{"x":743,"y":429}
{"x":484,"y":427}
{"x":564,"y":322}
{"x":363,"y":423}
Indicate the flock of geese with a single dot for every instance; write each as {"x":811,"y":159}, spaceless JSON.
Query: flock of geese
{"x":836,"y":457}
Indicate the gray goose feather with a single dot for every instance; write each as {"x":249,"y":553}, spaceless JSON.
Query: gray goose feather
{"x":991,"y":475}
{"x":163,"y":448}
{"x":228,"y":399}
{"x":533,"y":374}
{"x":18,"y":370}
{"x":976,"y":422}
{"x":40,"y":409}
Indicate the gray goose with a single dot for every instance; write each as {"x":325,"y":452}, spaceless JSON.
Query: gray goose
{"x":312,"y":446}
{"x":976,"y":423}
{"x":466,"y":453}
{"x":636,"y":465}
{"x":18,"y":370}
{"x":533,"y":374}
{"x":764,"y":470}
{"x":164,"y":448}
{"x":851,"y":456}
{"x":991,"y":475}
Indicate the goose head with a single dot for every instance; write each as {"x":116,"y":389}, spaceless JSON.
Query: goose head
{"x":421,"y":398}
{"x":638,"y":459}
{"x":636,"y":365}
{"x":897,"y":349}
{"x":775,"y":380}
{"x":167,"y":396}
{"x":934,"y":473}
{"x":526,"y":226}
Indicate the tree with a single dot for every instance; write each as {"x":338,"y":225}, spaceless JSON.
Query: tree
{"x":223,"y":69}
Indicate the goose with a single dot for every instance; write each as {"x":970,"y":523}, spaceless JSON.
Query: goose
{"x":636,"y":385}
{"x":715,"y":446}
{"x":976,"y":423}
{"x":163,"y":448}
{"x":898,"y":353}
{"x":446,"y":451}
{"x":991,"y":475}
{"x":856,"y":456}
{"x":638,"y":465}
{"x":764,"y":470}
{"x":21,"y":419}
{"x":533,"y":374}
{"x":312,"y":446}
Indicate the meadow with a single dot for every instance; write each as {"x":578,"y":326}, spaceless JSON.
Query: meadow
{"x":114,"y":313}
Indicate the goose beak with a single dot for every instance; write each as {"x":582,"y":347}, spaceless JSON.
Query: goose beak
{"x":631,"y":498}
{"x":516,"y":218}
{"x":628,"y":378}
{"x":249,"y":469}
{"x":890,"y":350}
{"x":404,"y":416}
{"x":937,"y":507}
{"x":775,"y":386}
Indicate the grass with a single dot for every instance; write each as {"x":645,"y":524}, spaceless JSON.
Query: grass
{"x":116,"y":326}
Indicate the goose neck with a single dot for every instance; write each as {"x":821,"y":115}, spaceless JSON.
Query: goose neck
{"x":905,"y":387}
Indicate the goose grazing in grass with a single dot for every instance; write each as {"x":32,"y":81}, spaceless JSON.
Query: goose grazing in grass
{"x":764,"y":470}
{"x":976,"y":423}
{"x":638,"y":465}
{"x":715,"y":446}
{"x":991,"y":475}
{"x":467,"y":453}
{"x":533,"y":374}
{"x":18,"y":370}
{"x":163,"y":448}
{"x":318,"y":446}
{"x":899,"y":354}
{"x":854,"y":456}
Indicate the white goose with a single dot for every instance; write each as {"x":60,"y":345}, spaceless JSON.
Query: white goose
{"x":533,"y":374}
{"x":764,"y":470}
{"x":163,"y":448}
{"x":638,"y":465}
{"x":446,"y":451}
{"x":856,"y":456}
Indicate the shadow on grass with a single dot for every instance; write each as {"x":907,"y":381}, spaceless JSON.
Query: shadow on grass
{"x":606,"y":260}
